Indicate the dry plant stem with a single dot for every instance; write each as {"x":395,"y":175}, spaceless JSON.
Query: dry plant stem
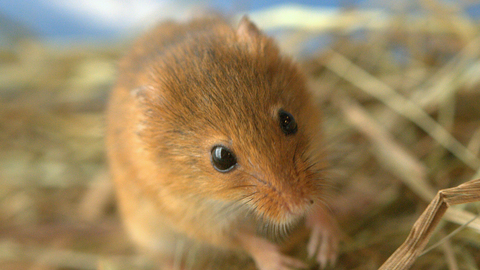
{"x":453,"y":19}
{"x":395,"y":158}
{"x":447,"y":238}
{"x":423,"y":228}
{"x":449,"y":253}
{"x":10,"y":251}
{"x":389,"y":153}
{"x":373,"y":86}
{"x":474,"y":143}
{"x":450,"y":256}
{"x":97,"y":198}
{"x":448,"y":79}
{"x":61,"y":258}
{"x":326,"y":19}
{"x":477,"y":174}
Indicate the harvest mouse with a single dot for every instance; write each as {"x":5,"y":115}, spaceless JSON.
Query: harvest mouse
{"x":213,"y":138}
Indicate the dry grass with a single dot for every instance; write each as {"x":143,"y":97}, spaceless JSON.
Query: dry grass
{"x":402,"y":114}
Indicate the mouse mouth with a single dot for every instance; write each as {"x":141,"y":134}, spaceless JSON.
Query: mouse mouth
{"x":279,"y":224}
{"x":294,"y":211}
{"x":280,"y":210}
{"x":283,"y":200}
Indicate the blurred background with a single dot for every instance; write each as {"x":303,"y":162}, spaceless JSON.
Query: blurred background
{"x":399,"y":84}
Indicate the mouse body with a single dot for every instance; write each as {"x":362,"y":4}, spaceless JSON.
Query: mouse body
{"x":213,"y":138}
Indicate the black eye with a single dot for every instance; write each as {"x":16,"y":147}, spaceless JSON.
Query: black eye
{"x":223,"y":159}
{"x":287,"y":122}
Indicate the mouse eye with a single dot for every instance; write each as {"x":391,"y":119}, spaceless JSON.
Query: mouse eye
{"x":223,"y":159}
{"x":287,"y":122}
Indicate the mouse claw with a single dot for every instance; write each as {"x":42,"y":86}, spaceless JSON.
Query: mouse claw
{"x":324,"y":238}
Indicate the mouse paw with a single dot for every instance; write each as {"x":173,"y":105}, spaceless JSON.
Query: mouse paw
{"x":324,"y":238}
{"x":267,"y":256}
{"x":271,"y":258}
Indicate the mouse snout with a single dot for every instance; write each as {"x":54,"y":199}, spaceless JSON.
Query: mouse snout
{"x":283,"y":199}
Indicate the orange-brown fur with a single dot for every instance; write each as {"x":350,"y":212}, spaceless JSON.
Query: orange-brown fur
{"x":187,"y":87}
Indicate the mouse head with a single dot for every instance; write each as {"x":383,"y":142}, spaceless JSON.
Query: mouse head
{"x":234,"y":122}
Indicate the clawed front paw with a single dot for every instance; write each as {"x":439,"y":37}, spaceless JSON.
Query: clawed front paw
{"x":324,"y":238}
{"x":272,"y":259}
{"x":267,"y":255}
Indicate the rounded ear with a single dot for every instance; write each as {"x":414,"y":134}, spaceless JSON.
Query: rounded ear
{"x":140,"y":94}
{"x":145,"y":96}
{"x":247,"y":31}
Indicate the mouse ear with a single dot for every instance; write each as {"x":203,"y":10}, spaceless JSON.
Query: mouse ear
{"x":139,"y":93}
{"x":145,"y":96}
{"x":247,"y":31}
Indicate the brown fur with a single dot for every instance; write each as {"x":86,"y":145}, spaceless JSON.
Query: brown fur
{"x":185,"y":88}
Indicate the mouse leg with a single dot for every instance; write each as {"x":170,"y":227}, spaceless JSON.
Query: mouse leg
{"x":324,"y":238}
{"x":267,"y":255}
